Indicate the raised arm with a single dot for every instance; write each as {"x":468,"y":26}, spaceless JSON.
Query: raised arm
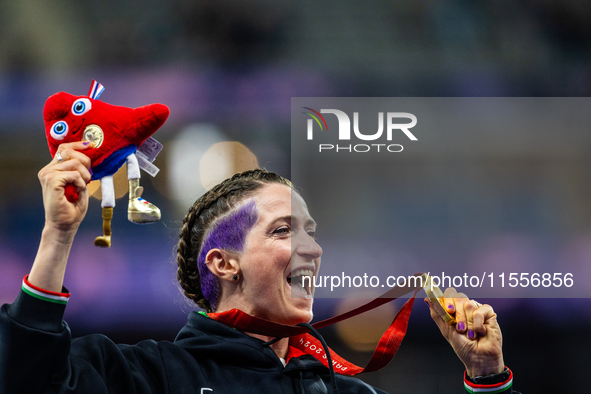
{"x":62,"y":217}
{"x":37,"y":354}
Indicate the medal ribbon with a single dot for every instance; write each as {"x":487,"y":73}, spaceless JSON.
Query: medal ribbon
{"x":383,"y":354}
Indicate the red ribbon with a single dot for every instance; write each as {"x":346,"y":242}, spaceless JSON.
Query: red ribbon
{"x":383,"y":354}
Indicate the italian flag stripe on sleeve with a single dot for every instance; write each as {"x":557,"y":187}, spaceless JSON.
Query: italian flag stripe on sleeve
{"x":45,"y":295}
{"x":502,"y":387}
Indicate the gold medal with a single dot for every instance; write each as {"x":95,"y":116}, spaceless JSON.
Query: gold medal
{"x":436,"y":297}
{"x":94,"y":134}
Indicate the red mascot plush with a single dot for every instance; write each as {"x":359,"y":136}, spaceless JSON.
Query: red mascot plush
{"x":116,"y":133}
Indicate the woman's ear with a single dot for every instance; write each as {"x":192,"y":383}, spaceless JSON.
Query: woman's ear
{"x":223,"y":264}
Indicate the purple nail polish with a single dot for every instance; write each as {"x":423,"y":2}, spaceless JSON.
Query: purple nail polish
{"x":471,"y":334}
{"x":90,"y":170}
{"x":450,"y":307}
{"x":481,"y":334}
{"x":461,"y":326}
{"x":85,"y":143}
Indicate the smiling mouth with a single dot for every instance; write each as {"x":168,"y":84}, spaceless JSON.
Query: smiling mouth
{"x":82,"y":127}
{"x":301,"y":282}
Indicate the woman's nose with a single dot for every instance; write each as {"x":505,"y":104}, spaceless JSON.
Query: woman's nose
{"x":307,"y":246}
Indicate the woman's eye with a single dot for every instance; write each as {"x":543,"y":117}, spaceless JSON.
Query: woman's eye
{"x":282,"y":230}
{"x":312,"y":233}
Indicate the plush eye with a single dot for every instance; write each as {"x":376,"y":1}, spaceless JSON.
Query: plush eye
{"x":81,"y":106}
{"x":59,"y":130}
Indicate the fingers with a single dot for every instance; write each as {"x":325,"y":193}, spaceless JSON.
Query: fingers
{"x":69,"y":166}
{"x":77,"y":166}
{"x":469,"y":308}
{"x":448,"y":300}
{"x":477,"y":315}
{"x":64,"y":170}
{"x":74,"y":177}
{"x":470,"y":315}
{"x":482,"y":315}
{"x":72,"y":150}
{"x":454,"y":303}
{"x":69,"y":158}
{"x":71,"y":171}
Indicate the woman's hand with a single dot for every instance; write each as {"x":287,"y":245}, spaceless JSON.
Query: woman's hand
{"x":476,"y":337}
{"x":60,"y":214}
{"x":62,"y":217}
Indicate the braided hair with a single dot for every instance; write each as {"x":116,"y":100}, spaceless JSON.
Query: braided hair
{"x":202,"y":216}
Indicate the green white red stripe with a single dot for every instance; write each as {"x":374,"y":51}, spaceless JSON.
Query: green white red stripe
{"x":45,"y":295}
{"x":502,"y":387}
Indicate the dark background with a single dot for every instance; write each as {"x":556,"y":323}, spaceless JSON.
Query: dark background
{"x":228,"y":70}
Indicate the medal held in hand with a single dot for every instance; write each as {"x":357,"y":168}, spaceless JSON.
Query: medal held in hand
{"x":436,"y":297}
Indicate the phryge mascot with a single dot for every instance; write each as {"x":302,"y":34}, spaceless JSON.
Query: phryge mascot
{"x":116,"y":133}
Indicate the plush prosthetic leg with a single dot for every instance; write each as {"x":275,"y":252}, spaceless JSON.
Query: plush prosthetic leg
{"x":108,"y":202}
{"x":105,"y":240}
{"x":139,"y":210}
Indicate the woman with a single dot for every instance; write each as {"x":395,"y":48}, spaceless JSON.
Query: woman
{"x":239,"y":245}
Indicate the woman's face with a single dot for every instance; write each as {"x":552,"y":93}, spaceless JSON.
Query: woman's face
{"x":281,"y":242}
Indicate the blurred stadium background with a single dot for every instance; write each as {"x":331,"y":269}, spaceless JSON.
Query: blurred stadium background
{"x":228,"y":70}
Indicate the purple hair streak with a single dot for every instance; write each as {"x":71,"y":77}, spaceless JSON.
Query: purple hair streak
{"x":229,"y":233}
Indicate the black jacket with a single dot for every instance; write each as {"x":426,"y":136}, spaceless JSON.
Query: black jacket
{"x":37,"y":355}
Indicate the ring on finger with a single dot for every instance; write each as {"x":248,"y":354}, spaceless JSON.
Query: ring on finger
{"x":478,"y":304}
{"x":59,"y":157}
